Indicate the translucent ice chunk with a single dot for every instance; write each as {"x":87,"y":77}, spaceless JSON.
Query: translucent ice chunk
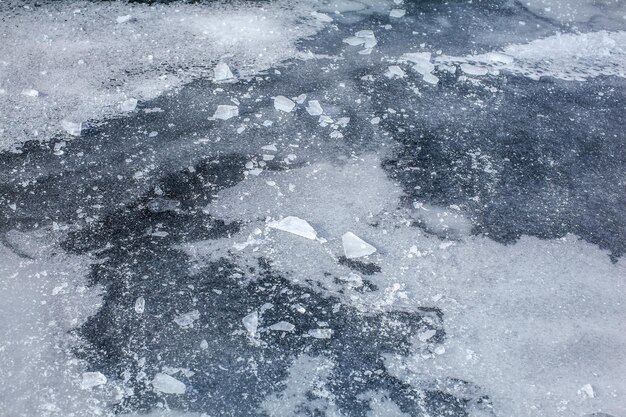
{"x":226,"y":111}
{"x":167,"y":384}
{"x":355,"y":247}
{"x":282,"y":103}
{"x":296,"y":226}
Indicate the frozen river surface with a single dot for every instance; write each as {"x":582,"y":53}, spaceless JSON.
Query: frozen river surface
{"x":313,"y":208}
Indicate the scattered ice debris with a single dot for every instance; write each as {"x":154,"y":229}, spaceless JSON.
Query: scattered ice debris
{"x":186,"y":320}
{"x":355,"y":247}
{"x":394,"y":71}
{"x":72,"y":128}
{"x":167,"y":384}
{"x":225,"y":112}
{"x":29,"y":92}
{"x":320,"y":333}
{"x":397,"y":13}
{"x":251,"y":323}
{"x":322,"y":17}
{"x":140,"y":305}
{"x":128,"y":105}
{"x":296,"y":226}
{"x":314,"y":108}
{"x":222,"y":73}
{"x":126,"y":19}
{"x":587,"y":391}
{"x":282,"y":326}
{"x":283,"y":103}
{"x":92,"y":379}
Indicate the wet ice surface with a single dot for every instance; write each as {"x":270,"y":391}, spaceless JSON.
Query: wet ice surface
{"x":415,"y":211}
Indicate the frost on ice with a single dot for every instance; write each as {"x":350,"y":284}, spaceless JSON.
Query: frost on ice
{"x":295,"y":225}
{"x":283,"y":103}
{"x":167,"y":384}
{"x":355,"y":247}
{"x":225,"y":112}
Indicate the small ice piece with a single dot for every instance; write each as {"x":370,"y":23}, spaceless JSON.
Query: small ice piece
{"x":354,"y":41}
{"x":92,"y":379}
{"x":168,"y":384}
{"x":300,"y":99}
{"x":125,"y":19}
{"x":355,"y":247}
{"x":204,"y":345}
{"x":364,"y":34}
{"x":314,"y":108}
{"x":394,"y":71}
{"x":474,"y":69}
{"x":226,"y":111}
{"x":222,"y":72}
{"x":375,"y":120}
{"x":321,"y":333}
{"x":251,"y":323}
{"x":271,"y":148}
{"x":587,"y":391}
{"x":282,"y":103}
{"x":416,"y":57}
{"x":322,"y":17}
{"x":282,"y":326}
{"x":140,"y":305}
{"x":426,"y":335}
{"x":29,"y":92}
{"x":128,"y":105}
{"x":72,"y":128}
{"x":430,"y":78}
{"x":296,"y":226}
{"x":186,"y":320}
{"x":397,"y":13}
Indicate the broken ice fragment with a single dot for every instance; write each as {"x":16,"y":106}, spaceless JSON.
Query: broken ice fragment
{"x":222,"y":72}
{"x":71,"y":128}
{"x":394,"y":71}
{"x":204,"y":344}
{"x":430,"y":78}
{"x":321,"y":333}
{"x":186,"y":320}
{"x":322,"y":17}
{"x":251,"y":323}
{"x":355,"y":247}
{"x":271,"y":148}
{"x":167,"y":384}
{"x":140,"y":305}
{"x":29,"y":92}
{"x":282,"y":326}
{"x":426,"y":335}
{"x":397,"y":13}
{"x":226,"y":111}
{"x":474,"y":69}
{"x":314,"y":108}
{"x":128,"y":105}
{"x":282,"y":103}
{"x":125,"y":19}
{"x":92,"y":379}
{"x":296,"y":226}
{"x":587,"y":391}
